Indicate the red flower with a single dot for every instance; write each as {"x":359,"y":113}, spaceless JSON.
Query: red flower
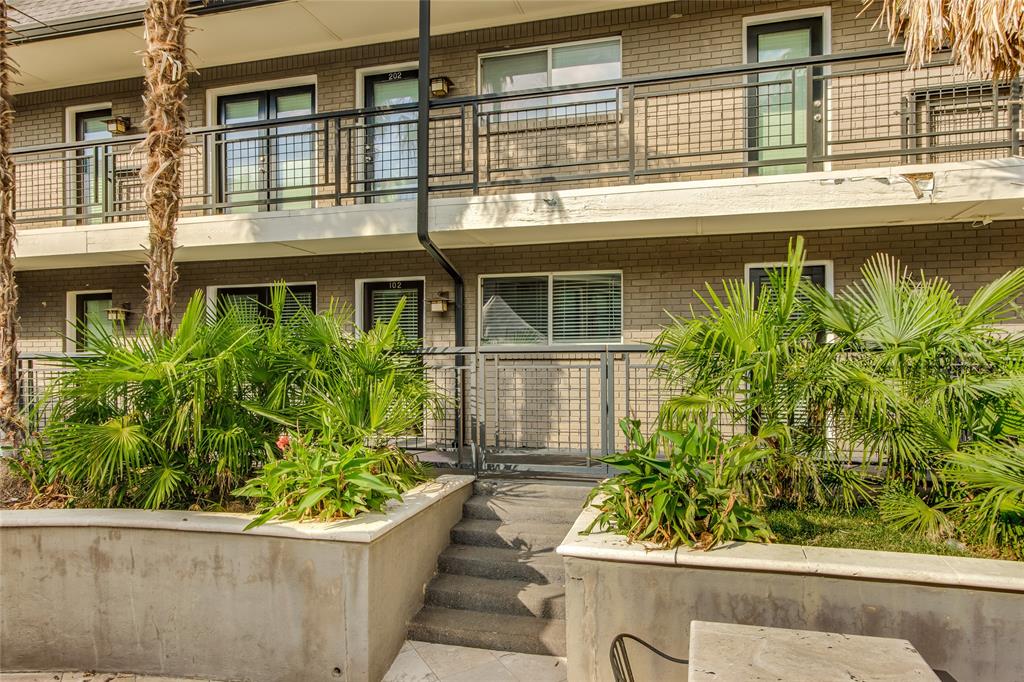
{"x":283,"y":441}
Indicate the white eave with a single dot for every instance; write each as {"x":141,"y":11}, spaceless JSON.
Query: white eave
{"x":976,"y":191}
{"x":254,"y":33}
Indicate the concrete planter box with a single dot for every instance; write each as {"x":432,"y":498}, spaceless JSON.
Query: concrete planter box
{"x":189,"y":594}
{"x":965,"y":616}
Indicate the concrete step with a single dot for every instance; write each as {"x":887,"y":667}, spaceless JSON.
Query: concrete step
{"x":513,"y":508}
{"x":538,"y":491}
{"x":500,"y":563}
{"x":525,"y":634}
{"x":512,"y":597}
{"x":535,"y":536}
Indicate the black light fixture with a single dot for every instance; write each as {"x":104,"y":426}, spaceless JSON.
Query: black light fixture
{"x":118,"y":125}
{"x":440,"y":85}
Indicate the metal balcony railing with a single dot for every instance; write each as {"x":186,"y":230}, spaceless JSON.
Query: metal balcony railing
{"x":832,"y":112}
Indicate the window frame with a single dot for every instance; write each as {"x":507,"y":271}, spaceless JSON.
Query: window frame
{"x":213,"y":292}
{"x":75,"y":314}
{"x":749,"y":268}
{"x":549,"y":49}
{"x":550,"y":275}
{"x":266,"y":95}
{"x":366,"y":288}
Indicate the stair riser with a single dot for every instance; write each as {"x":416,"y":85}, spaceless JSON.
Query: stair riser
{"x":500,"y":509}
{"x":529,"y":541}
{"x":492,"y":603}
{"x":547,"y":645}
{"x":540,"y":492}
{"x":503,"y":570}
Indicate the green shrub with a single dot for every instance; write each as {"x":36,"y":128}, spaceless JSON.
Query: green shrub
{"x":681,"y":488}
{"x":892,"y":393}
{"x":183,"y":421}
{"x":326,"y":481}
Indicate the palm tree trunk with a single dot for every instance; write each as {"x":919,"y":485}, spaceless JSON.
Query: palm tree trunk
{"x":166,"y":64}
{"x":11,"y":426}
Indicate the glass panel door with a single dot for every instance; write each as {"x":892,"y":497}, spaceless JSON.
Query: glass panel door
{"x":293,"y":158}
{"x":390,"y":138}
{"x":778,"y":109}
{"x":261,"y":166}
{"x":90,"y":165}
{"x":91,"y":321}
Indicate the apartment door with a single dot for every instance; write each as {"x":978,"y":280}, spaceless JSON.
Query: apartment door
{"x":91,"y":164}
{"x":777,"y":110}
{"x":261,"y":167}
{"x":381,"y":298}
{"x":390,"y":138}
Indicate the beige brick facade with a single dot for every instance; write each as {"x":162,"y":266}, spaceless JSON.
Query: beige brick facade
{"x":659,"y":275}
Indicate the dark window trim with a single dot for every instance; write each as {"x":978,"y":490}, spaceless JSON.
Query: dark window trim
{"x":816,"y":24}
{"x":82,"y":193}
{"x":80,"y":322}
{"x":816,"y":272}
{"x":266,"y":111}
{"x":411,"y":284}
{"x":369,"y":81}
{"x":262,"y":294}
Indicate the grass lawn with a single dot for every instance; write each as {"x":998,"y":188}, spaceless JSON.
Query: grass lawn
{"x":862,"y":529}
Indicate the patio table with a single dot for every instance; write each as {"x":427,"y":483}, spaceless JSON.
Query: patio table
{"x":727,"y":652}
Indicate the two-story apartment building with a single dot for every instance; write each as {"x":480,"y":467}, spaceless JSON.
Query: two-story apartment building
{"x":592,"y":163}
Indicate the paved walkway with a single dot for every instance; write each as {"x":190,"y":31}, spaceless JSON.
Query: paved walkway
{"x":417,"y":662}
{"x":426,"y":662}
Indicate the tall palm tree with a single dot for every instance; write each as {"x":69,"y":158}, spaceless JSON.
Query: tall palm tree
{"x":986,"y":36}
{"x":166,"y":65}
{"x":11,"y":426}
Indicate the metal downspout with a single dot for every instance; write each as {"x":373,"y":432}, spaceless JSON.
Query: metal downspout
{"x":423,"y":212}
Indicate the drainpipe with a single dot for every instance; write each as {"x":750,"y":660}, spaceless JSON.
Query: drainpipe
{"x":422,"y":173}
{"x":423,"y":218}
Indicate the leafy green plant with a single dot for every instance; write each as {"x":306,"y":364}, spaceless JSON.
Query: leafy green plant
{"x":892,"y":392}
{"x":692,"y":495}
{"x":325,"y":481}
{"x":182,"y":421}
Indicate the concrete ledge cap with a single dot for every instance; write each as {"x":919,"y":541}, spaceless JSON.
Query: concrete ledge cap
{"x":365,"y":528}
{"x":989,"y":574}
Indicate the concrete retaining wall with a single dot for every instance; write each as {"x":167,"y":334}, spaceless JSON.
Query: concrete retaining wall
{"x":965,"y":616}
{"x":189,"y":594}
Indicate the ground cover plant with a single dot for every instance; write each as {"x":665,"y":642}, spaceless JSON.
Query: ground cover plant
{"x":892,"y":394}
{"x":190,"y":420}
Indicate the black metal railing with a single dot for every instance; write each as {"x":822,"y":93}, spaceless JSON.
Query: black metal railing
{"x":831,"y":112}
{"x":551,"y":402}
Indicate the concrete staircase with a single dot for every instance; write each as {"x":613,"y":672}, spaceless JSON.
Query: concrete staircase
{"x":500,"y":584}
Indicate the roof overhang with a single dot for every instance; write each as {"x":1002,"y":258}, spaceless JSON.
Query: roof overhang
{"x":255,"y":32}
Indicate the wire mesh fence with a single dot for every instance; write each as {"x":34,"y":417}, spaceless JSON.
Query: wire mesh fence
{"x":831,"y":112}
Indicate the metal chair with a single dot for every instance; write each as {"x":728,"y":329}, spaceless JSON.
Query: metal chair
{"x":621,"y":669}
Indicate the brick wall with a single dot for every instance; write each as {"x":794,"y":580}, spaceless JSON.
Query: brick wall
{"x":655,"y":38}
{"x":658,"y":274}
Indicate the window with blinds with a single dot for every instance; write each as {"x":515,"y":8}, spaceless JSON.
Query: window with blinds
{"x":551,"y":309}
{"x":255,"y":301}
{"x":760,"y":278}
{"x":381,"y":299}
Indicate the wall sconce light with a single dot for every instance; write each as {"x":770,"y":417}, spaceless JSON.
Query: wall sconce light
{"x":119,"y":314}
{"x":440,"y":85}
{"x":118,"y":125}
{"x":439,"y":304}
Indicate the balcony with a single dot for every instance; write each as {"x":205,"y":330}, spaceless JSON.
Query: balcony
{"x":833,"y":113}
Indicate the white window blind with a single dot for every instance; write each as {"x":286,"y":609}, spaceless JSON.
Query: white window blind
{"x":551,"y":309}
{"x":382,"y":306}
{"x":255,"y":301}
{"x":586,"y":308}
